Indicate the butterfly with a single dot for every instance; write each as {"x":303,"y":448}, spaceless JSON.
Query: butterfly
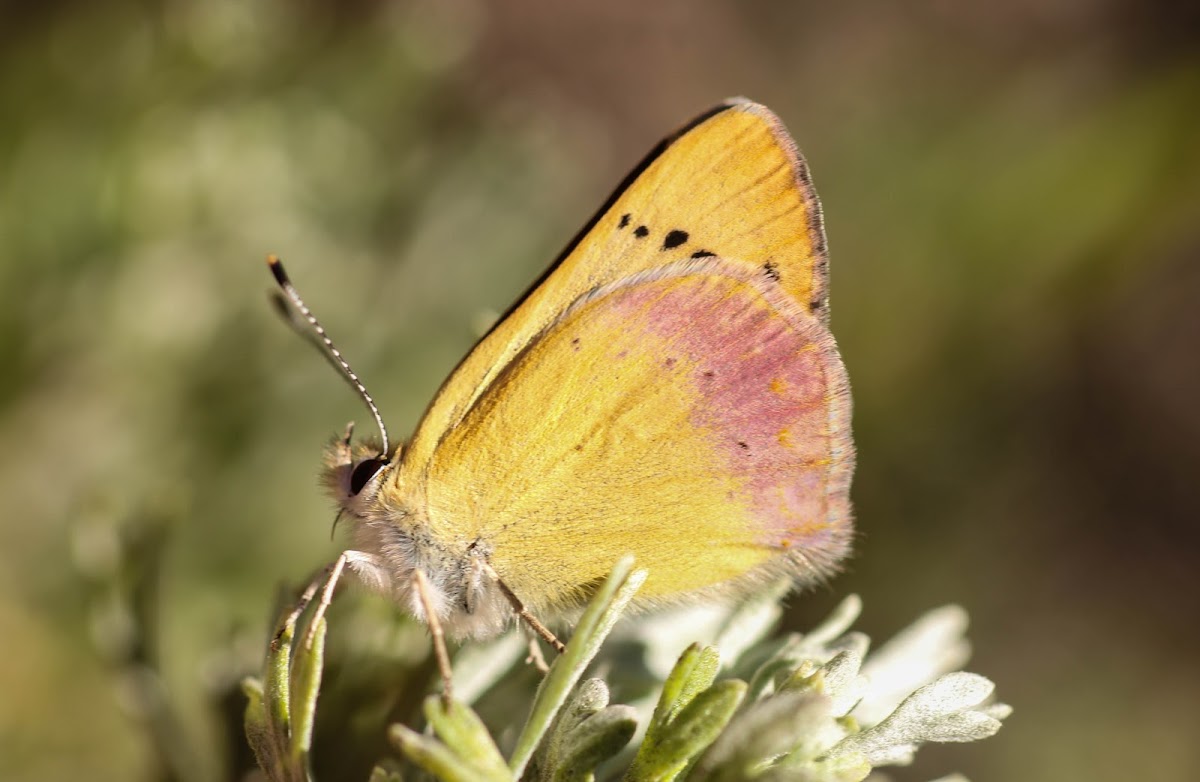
{"x":668,"y":388}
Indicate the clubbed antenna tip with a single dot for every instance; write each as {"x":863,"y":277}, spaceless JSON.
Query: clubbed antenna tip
{"x":293,"y":296}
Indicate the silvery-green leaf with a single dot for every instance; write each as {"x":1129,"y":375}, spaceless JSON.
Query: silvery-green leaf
{"x":593,"y":627}
{"x":931,"y":646}
{"x":593,"y":741}
{"x":843,"y":685}
{"x":859,"y":643}
{"x":586,"y":733}
{"x":998,"y":711}
{"x":438,"y":759}
{"x":258,"y":728}
{"x":461,"y":730}
{"x":677,"y":742}
{"x":307,"y":665}
{"x":845,"y":768}
{"x":767,"y":730}
{"x":462,"y":751}
{"x":941,"y":711}
{"x":694,"y":672}
{"x":751,"y":621}
{"x":784,"y":659}
{"x":269,"y":715}
{"x":838,"y":622}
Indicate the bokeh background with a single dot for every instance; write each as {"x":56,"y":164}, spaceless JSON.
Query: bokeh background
{"x":1012,"y":196}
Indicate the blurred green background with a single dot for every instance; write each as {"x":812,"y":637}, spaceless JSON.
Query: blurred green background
{"x":1012,"y":196}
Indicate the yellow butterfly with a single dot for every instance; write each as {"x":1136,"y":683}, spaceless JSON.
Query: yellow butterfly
{"x":669,"y":388}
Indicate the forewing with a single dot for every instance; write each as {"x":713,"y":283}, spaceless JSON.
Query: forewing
{"x":693,"y":415}
{"x":729,"y":184}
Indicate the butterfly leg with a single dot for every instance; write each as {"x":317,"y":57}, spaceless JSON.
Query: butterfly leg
{"x":326,"y":581}
{"x":421,"y":585}
{"x":523,"y":612}
{"x":535,"y":656}
{"x":328,"y":575}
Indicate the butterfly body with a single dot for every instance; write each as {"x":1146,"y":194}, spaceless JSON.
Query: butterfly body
{"x":669,"y":389}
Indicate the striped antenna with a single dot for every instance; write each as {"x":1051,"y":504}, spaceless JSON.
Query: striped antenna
{"x":293,"y":296}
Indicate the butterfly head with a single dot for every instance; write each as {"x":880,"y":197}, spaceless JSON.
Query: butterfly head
{"x":354,"y":472}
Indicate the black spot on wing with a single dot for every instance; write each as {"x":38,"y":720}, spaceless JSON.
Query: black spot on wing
{"x":624,"y":221}
{"x":771,"y":269}
{"x":674,"y":239}
{"x":622,"y":188}
{"x":641,"y":232}
{"x":703,"y":254}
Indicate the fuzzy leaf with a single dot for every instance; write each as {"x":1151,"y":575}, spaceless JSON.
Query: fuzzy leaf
{"x":751,"y":621}
{"x":258,"y":726}
{"x":691,"y":731}
{"x":585,"y":734}
{"x":277,"y":688}
{"x":933,"y":645}
{"x":838,"y":622}
{"x":941,"y":711}
{"x":844,"y":768}
{"x":593,"y":627}
{"x":767,"y":730}
{"x":695,"y":671}
{"x":307,"y":665}
{"x":843,"y":684}
{"x":465,"y":734}
{"x":438,"y":759}
{"x":268,"y":719}
{"x":593,"y":741}
{"x":784,"y":658}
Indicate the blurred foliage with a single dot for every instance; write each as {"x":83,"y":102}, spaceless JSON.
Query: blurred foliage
{"x":1012,"y":196}
{"x":812,"y":707}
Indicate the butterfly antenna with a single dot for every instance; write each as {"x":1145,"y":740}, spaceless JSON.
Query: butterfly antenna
{"x":331,"y":351}
{"x":287,"y":313}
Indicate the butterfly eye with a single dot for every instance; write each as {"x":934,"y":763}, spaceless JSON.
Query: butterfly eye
{"x":364,"y":472}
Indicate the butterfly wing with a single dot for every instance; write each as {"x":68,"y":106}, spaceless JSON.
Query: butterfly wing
{"x":694,"y":415}
{"x":731,"y":183}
